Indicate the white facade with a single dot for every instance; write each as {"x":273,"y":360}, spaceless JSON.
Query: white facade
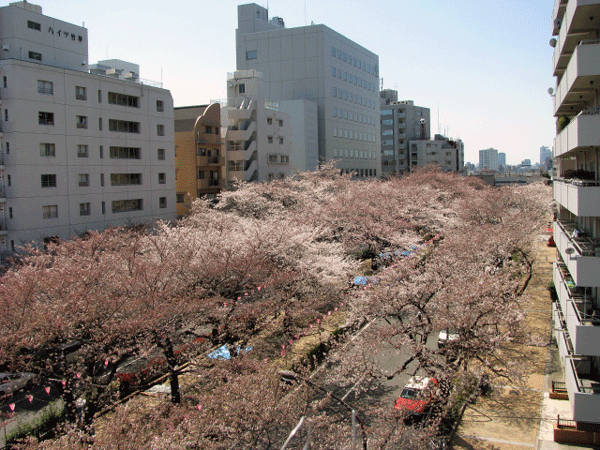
{"x":488,"y":159}
{"x":80,"y":151}
{"x":446,"y":153}
{"x":576,"y":314}
{"x":316,"y":63}
{"x":258,"y":137}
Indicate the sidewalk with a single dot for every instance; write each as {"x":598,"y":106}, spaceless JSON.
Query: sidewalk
{"x":522,"y":416}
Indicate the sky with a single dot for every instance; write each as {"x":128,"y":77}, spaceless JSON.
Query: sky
{"x":482,"y":66}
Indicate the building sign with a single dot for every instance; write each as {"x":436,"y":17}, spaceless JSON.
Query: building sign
{"x":66,"y":34}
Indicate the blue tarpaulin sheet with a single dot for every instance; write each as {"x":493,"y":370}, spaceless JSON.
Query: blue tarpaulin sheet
{"x":223,"y":352}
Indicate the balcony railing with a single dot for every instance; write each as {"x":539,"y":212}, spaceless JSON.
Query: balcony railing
{"x":583,"y":385}
{"x":580,"y":253}
{"x":578,"y":237}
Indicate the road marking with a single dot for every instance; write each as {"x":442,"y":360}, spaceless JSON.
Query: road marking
{"x":498,"y":441}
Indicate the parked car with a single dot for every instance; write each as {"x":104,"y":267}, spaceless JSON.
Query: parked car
{"x":13,"y":382}
{"x":417,"y":396}
{"x":447,"y":336}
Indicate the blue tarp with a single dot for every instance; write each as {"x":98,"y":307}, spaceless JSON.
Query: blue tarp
{"x":362,"y":281}
{"x":223,"y":352}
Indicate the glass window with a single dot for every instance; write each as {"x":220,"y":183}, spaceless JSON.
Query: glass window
{"x":160,"y":130}
{"x":162,"y":202}
{"x":333,"y":71}
{"x":160,"y":105}
{"x":35,"y":56}
{"x":251,"y":54}
{"x":333,"y":52}
{"x":80,"y":93}
{"x":161,"y":154}
{"x":85,"y":209}
{"x":48,"y":180}
{"x":82,"y":151}
{"x":82,"y":122}
{"x":47,"y":149}
{"x":162,"y":178}
{"x":50,"y":211}
{"x":45,"y":118}
{"x":34,"y":25}
{"x":45,"y":87}
{"x":84,"y":179}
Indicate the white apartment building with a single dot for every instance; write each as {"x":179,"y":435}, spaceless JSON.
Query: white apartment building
{"x":316,"y":63}
{"x":488,"y":159}
{"x":258,"y":135}
{"x":448,"y":154}
{"x":576,"y":314}
{"x":401,"y":122}
{"x":79,"y":151}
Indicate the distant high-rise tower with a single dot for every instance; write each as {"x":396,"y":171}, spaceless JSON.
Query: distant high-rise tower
{"x":488,"y":159}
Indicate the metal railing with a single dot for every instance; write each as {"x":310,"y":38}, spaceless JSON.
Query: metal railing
{"x":565,"y":423}
{"x":581,"y":387}
{"x":584,"y":245}
{"x":559,"y":387}
{"x":577,"y":182}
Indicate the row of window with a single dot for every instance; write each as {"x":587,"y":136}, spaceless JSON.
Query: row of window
{"x":356,"y":154}
{"x":361,"y":172}
{"x":117,"y":206}
{"x":114,"y":98}
{"x":358,"y":63}
{"x":270,"y":121}
{"x":355,"y":117}
{"x":116,"y":179}
{"x":353,"y":79}
{"x":352,"y":98}
{"x":48,"y":149}
{"x":354,"y":135}
{"x":270,"y":140}
{"x":213,"y":176}
{"x":278,"y":159}
{"x":121,"y":126}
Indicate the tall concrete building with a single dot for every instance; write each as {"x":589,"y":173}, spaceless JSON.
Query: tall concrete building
{"x":545,"y":158}
{"x":258,"y":134}
{"x":79,"y":151}
{"x":316,"y":63}
{"x":501,"y":161}
{"x":401,"y":122}
{"x":576,"y":314}
{"x":448,"y":154}
{"x":488,"y":159}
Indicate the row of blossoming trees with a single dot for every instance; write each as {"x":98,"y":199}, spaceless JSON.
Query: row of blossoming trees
{"x":265,"y":251}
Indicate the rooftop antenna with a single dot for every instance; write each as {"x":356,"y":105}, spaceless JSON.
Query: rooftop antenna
{"x":439,"y":126}
{"x":305,"y":16}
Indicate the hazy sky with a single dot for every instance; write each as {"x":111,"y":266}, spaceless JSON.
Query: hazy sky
{"x":486,"y":64}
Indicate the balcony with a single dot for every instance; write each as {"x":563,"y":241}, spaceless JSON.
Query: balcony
{"x":581,"y":317}
{"x":572,"y":26}
{"x":583,"y":386}
{"x":576,"y":87}
{"x":209,"y":161}
{"x":401,"y":115}
{"x":578,"y":196}
{"x":582,"y":131}
{"x":208,"y":184}
{"x":241,"y":135}
{"x":580,"y":253}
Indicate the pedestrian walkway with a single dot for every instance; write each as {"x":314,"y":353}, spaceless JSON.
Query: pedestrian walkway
{"x":520,"y":415}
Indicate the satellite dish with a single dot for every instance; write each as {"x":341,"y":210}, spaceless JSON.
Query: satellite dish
{"x":570,"y":250}
{"x":550,"y":91}
{"x":557,"y":23}
{"x":553,"y":42}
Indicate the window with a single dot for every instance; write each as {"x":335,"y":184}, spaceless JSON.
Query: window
{"x":99,"y":96}
{"x":84,"y":179}
{"x":162,"y":202}
{"x":270,"y":139}
{"x":180,"y":197}
{"x":269,"y":121}
{"x":236,"y":166}
{"x":242,"y":88}
{"x":201,"y":174}
{"x":125,"y":152}
{"x":35,"y":56}
{"x":8,"y":148}
{"x":101,"y":151}
{"x":333,"y":71}
{"x":123,"y":100}
{"x":280,"y":123}
{"x":162,"y":178}
{"x":201,"y":151}
{"x":45,"y":87}
{"x":102,"y":184}
{"x":280,"y":141}
{"x":47,"y":149}
{"x":80,"y":93}
{"x":34,"y":25}
{"x":85,"y":209}
{"x":48,"y":180}
{"x":334,"y":91}
{"x":160,"y":130}
{"x":100,"y":123}
{"x":251,"y":54}
{"x":161,"y":154}
{"x":103,"y":208}
{"x":272,"y":158}
{"x":333,"y":52}
{"x":123,"y":126}
{"x":10,"y":213}
{"x":82,"y":151}
{"x":5,"y":81}
{"x":285,"y":159}
{"x":6,"y":115}
{"x":125,"y":179}
{"x":334,"y":112}
{"x":127,"y":205}
{"x":160,"y":106}
{"x":81,"y":121}
{"x":50,"y":211}
{"x":8,"y":180}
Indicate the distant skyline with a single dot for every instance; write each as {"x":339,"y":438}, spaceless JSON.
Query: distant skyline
{"x":485,"y":65}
